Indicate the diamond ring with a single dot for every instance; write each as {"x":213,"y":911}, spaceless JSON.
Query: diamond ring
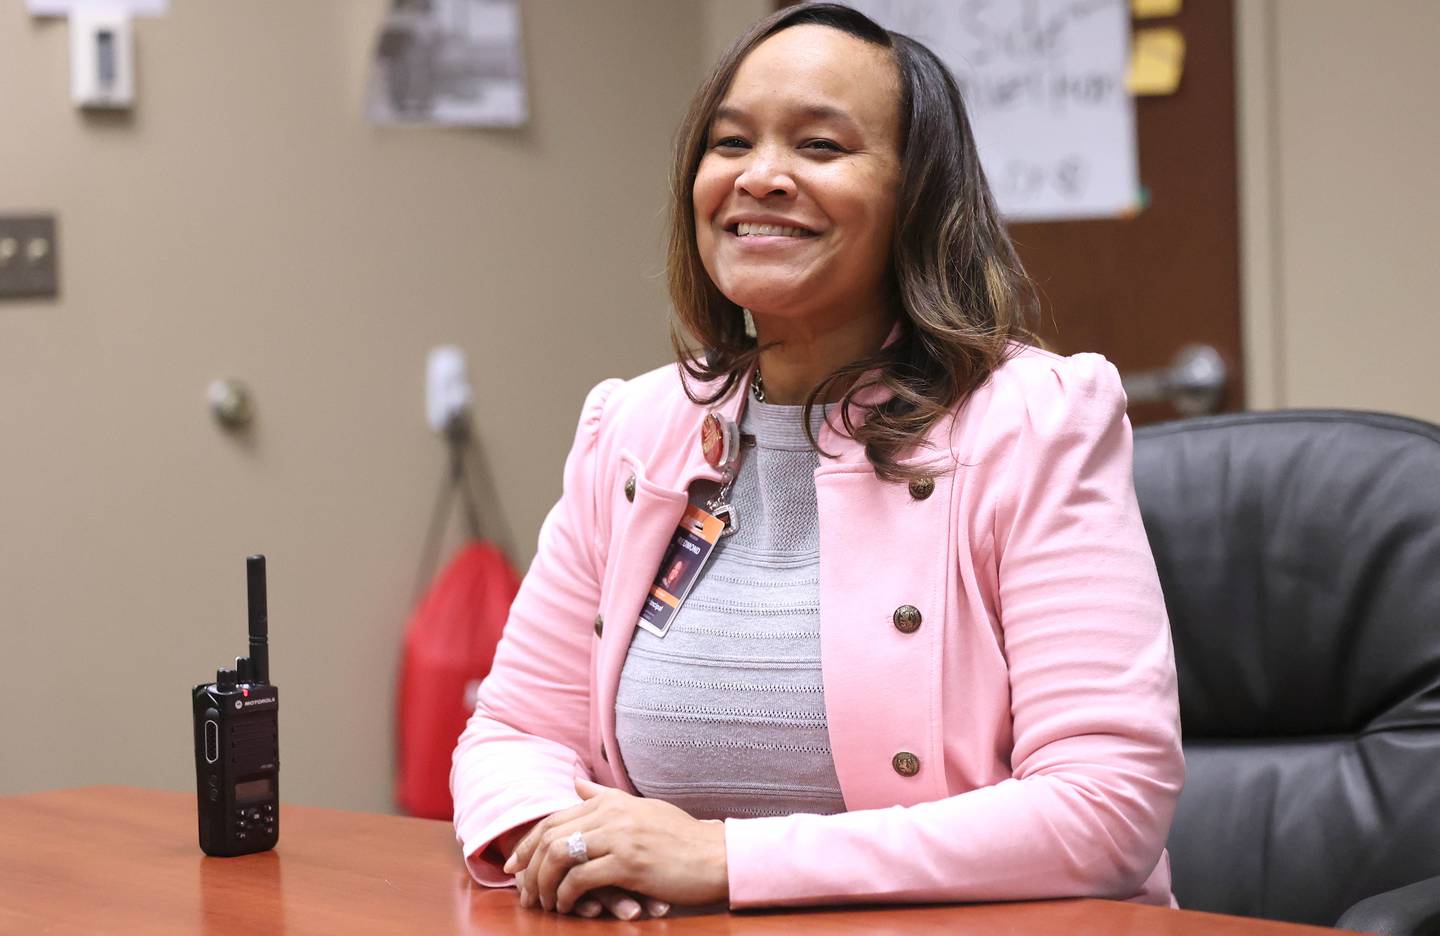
{"x":576,"y":844}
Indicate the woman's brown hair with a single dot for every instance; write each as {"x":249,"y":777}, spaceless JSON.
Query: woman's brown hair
{"x":962,"y":297}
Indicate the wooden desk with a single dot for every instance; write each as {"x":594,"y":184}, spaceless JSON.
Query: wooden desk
{"x":125,"y":860}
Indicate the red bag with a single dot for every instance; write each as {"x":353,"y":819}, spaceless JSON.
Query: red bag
{"x":449,"y":646}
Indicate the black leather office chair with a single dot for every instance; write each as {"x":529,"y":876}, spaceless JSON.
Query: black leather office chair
{"x":1300,"y":557}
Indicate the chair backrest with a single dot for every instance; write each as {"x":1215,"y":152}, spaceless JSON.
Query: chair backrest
{"x":1299,"y":553}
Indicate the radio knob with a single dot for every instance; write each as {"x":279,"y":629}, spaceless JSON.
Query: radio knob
{"x":225,"y":678}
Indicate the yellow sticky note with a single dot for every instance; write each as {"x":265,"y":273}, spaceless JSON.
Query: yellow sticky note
{"x":1157,"y":60}
{"x":1145,"y":9}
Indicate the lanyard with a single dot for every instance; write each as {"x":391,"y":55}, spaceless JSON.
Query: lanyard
{"x":719,"y":505}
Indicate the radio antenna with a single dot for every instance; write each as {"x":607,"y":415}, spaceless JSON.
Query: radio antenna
{"x":259,"y":619}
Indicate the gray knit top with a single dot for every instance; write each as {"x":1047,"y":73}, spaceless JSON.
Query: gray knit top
{"x":725,"y":715}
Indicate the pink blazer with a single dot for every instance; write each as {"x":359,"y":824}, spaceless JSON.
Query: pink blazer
{"x":1036,"y":697}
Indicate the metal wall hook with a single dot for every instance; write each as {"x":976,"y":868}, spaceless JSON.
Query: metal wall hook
{"x":231,"y":404}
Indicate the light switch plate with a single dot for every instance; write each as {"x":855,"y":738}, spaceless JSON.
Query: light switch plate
{"x":29,"y":257}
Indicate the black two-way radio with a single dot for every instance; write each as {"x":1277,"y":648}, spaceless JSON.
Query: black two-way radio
{"x":237,"y":751}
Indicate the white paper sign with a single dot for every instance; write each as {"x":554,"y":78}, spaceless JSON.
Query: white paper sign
{"x":63,"y":7}
{"x":1044,"y":85}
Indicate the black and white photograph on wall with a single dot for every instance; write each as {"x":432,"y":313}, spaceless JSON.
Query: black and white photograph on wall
{"x":449,"y":63}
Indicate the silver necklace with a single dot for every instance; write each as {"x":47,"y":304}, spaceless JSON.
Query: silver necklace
{"x":757,"y":386}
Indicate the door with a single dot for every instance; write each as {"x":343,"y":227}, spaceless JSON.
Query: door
{"x":1159,"y":293}
{"x":1141,"y":290}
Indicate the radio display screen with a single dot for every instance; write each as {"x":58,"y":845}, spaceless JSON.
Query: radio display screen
{"x":249,"y":791}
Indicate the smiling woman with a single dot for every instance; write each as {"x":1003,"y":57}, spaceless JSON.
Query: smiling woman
{"x":794,"y":197}
{"x":918,"y":651}
{"x":864,"y":129}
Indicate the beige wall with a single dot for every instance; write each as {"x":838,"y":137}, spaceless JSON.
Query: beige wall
{"x":247,"y":222}
{"x":1339,"y":188}
{"x":725,"y":20}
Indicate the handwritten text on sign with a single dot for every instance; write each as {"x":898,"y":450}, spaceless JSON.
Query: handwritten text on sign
{"x":1044,"y":83}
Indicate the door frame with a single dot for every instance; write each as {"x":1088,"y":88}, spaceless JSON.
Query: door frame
{"x":1257,"y":112}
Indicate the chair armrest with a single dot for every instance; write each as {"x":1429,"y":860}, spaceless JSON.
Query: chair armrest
{"x":1412,"y":910}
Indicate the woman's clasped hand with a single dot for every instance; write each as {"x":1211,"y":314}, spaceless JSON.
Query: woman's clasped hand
{"x":638,"y":853}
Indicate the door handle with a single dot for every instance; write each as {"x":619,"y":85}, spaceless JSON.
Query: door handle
{"x":1194,"y":382}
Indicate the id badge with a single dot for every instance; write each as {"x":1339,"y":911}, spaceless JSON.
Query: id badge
{"x":689,"y":549}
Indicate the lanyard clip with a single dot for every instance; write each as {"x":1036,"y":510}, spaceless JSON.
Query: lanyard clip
{"x":720,"y":443}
